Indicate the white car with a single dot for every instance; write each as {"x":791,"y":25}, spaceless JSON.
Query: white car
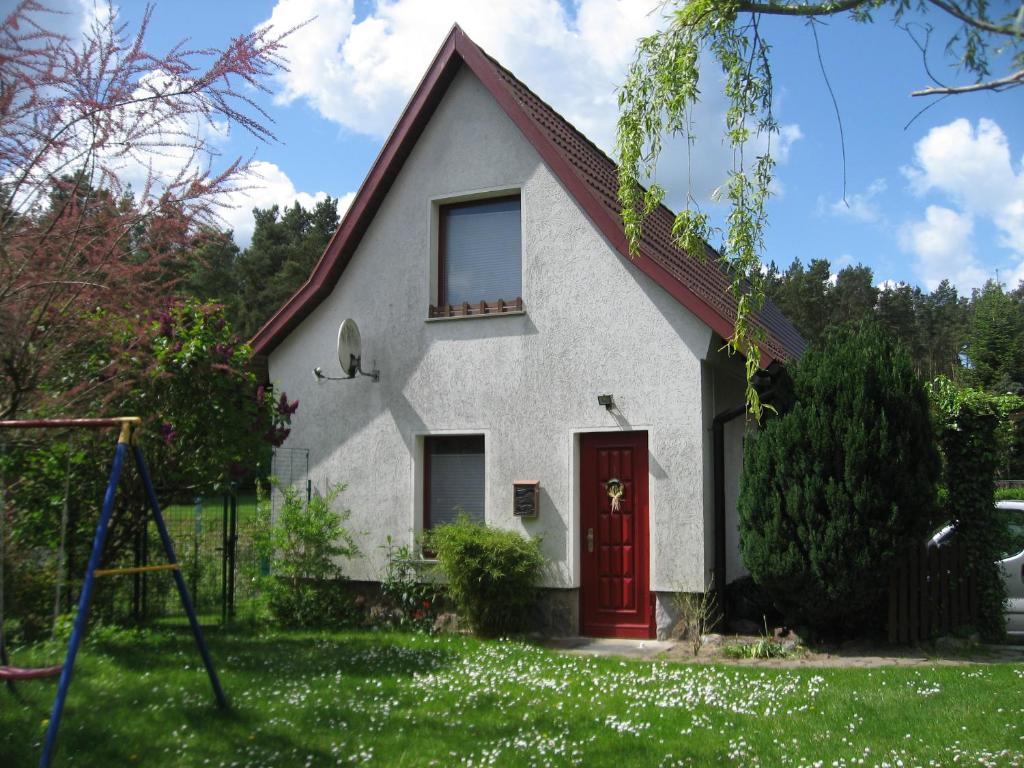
{"x":1012,"y":513}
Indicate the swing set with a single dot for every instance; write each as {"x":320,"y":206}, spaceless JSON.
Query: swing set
{"x":126,"y":440}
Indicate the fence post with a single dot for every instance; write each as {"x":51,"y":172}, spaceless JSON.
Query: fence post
{"x":137,"y":578}
{"x":224,"y":563}
{"x":894,"y":588}
{"x":145,"y":561}
{"x":197,"y":514}
{"x":914,"y":602}
{"x":232,"y":540}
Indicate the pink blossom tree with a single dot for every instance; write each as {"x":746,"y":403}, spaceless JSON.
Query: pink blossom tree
{"x":109,"y":171}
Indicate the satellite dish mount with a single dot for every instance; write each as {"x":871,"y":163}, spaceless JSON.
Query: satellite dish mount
{"x":350,"y":355}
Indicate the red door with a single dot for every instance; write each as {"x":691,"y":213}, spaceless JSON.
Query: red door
{"x":615,"y":600}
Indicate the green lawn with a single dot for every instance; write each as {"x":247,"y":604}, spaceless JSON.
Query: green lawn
{"x":394,"y":699}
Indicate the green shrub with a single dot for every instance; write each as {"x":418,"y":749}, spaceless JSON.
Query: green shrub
{"x":303,"y":545}
{"x":973,"y":435}
{"x":492,"y":573}
{"x":834,"y":490}
{"x":414,"y":598}
{"x":764,"y":648}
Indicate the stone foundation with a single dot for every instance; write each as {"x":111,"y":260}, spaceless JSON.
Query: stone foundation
{"x":558,"y":613}
{"x":666,"y":614}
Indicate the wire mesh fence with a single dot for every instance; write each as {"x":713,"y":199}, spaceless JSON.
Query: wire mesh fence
{"x":215,"y":540}
{"x":214,"y":537}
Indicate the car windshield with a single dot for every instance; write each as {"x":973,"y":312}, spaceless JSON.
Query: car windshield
{"x":1011,"y":530}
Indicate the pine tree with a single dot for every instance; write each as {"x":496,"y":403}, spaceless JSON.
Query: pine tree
{"x":285,"y":247}
{"x":995,"y":341}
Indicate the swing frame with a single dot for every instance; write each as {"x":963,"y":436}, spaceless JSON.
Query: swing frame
{"x":126,"y":440}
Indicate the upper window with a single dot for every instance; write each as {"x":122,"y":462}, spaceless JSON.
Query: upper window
{"x":480,"y":258}
{"x":453,"y":478}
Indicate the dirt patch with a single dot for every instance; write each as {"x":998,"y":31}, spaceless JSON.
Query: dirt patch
{"x":854,"y":654}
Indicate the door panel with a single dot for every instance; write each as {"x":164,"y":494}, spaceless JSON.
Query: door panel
{"x":615,"y":599}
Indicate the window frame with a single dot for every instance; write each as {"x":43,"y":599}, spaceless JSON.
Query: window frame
{"x":425,"y":521}
{"x":484,"y":306}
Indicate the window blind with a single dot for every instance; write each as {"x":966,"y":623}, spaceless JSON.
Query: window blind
{"x":483,"y":251}
{"x":456,"y":478}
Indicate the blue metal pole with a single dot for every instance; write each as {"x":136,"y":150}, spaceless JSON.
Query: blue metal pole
{"x":186,"y":600}
{"x":83,"y":606}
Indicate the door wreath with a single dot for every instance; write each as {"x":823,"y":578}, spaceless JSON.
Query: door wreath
{"x":615,"y":490}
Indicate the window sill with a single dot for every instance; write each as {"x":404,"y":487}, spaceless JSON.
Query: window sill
{"x":513,"y":313}
{"x":480,"y":309}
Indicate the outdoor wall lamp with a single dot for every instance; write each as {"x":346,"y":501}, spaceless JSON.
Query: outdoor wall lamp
{"x":606,"y":400}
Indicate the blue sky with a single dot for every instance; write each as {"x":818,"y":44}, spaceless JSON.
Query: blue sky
{"x":943,"y":197}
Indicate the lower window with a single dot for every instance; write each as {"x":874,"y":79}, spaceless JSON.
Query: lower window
{"x":453,"y":478}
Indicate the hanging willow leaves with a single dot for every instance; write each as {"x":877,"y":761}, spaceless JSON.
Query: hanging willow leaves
{"x":663,"y":86}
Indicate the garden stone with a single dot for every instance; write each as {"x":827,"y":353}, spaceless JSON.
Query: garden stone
{"x":446,"y":622}
{"x":788,"y":637}
{"x":382,"y":614}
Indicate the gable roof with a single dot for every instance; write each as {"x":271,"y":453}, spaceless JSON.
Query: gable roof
{"x":590,"y":176}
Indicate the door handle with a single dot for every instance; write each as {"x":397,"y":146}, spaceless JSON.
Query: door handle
{"x":590,"y":539}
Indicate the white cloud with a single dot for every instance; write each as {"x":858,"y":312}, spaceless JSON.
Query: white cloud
{"x":844,"y":260}
{"x":360,"y":73}
{"x":1016,"y":276}
{"x":860,"y":206}
{"x":789,"y":134}
{"x":943,"y":243}
{"x":268,"y":185}
{"x":974,"y":168}
{"x":175,"y":145}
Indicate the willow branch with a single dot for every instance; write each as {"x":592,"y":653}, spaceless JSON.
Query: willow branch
{"x":1010,"y":81}
{"x":800,"y":9}
{"x":980,"y":23}
{"x":830,"y":9}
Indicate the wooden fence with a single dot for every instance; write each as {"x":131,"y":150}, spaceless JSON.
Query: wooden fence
{"x":930,"y":593}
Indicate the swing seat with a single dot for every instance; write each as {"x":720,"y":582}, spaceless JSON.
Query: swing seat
{"x":29,"y":673}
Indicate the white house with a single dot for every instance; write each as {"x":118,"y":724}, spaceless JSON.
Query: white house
{"x":485,"y":263}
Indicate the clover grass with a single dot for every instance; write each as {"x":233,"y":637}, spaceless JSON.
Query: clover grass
{"x":338,"y":698}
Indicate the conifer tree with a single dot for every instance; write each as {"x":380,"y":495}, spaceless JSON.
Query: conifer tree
{"x":834,"y":489}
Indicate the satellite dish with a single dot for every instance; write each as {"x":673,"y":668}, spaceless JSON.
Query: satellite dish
{"x":350,"y":347}
{"x":350,"y":355}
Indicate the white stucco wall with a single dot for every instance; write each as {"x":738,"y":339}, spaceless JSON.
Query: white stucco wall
{"x":529,"y":383}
